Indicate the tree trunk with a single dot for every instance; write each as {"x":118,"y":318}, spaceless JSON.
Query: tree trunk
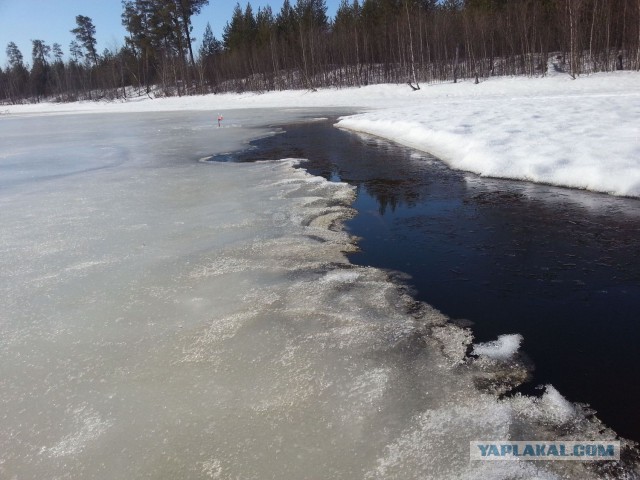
{"x":455,"y":64}
{"x":413,"y":68}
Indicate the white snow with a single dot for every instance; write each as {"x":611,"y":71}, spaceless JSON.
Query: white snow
{"x":556,"y":406}
{"x":503,"y":348}
{"x":582,"y":133}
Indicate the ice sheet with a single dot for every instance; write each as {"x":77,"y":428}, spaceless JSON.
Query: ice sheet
{"x":166,"y":318}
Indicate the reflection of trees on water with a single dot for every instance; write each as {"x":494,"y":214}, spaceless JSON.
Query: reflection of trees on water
{"x":359,"y":160}
{"x":392,"y":194}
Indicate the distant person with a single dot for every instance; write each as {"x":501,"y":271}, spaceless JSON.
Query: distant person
{"x":219,"y":120}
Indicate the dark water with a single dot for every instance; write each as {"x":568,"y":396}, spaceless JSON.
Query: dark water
{"x":559,"y":266}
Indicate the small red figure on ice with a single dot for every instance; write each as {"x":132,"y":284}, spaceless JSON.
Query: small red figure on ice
{"x":219,"y":120}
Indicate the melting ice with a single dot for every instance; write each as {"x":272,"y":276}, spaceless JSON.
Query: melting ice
{"x":165,"y":318}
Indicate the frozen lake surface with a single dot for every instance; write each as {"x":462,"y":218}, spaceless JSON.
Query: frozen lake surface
{"x":166,"y":318}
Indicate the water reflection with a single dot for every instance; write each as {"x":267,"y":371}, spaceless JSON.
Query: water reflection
{"x":560,"y":266}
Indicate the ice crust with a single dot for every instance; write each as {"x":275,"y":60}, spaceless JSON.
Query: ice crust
{"x":190,"y":320}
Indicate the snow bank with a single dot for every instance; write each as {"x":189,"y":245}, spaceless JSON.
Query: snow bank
{"x":587,"y":140}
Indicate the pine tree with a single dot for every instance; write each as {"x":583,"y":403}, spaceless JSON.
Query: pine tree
{"x":39,"y":76}
{"x":14,"y":56}
{"x":136,"y":18}
{"x":75,"y":51}
{"x":210,"y":46}
{"x":286,"y":20}
{"x":312,"y":13}
{"x":17,"y":74}
{"x":233,"y":35}
{"x":189,"y":8}
{"x":264,"y":26}
{"x":40,"y":51}
{"x":85,"y":34}
{"x":58,"y":68}
{"x":57,"y":52}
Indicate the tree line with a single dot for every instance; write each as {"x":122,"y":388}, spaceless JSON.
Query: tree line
{"x":366,"y":42}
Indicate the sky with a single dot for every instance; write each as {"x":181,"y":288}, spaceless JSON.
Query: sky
{"x":51,"y":20}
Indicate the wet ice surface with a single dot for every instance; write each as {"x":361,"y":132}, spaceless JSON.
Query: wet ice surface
{"x":166,"y":318}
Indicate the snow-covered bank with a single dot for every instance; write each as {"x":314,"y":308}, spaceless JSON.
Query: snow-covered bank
{"x":580,"y":133}
{"x":588,"y":140}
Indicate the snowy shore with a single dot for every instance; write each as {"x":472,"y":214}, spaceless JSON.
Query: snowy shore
{"x":582,"y":133}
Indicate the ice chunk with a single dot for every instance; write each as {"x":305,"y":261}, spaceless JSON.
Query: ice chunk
{"x":555,"y":405}
{"x":503,"y":348}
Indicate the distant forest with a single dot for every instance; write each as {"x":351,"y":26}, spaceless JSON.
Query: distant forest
{"x":367,"y":42}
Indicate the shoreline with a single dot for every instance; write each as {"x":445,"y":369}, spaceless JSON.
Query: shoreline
{"x":551,"y":130}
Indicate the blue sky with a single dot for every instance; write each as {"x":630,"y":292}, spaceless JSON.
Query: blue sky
{"x":51,"y":21}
